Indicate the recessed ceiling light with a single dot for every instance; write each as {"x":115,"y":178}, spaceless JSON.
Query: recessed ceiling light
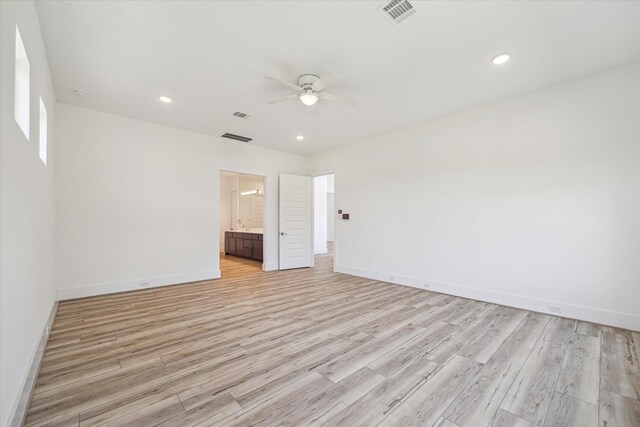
{"x":165,"y":99}
{"x":79,"y":92}
{"x":500,"y":59}
{"x":299,"y":137}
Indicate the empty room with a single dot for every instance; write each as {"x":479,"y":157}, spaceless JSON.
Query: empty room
{"x":320,"y":213}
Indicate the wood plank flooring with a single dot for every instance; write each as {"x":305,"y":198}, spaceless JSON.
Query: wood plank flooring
{"x":313,"y":347}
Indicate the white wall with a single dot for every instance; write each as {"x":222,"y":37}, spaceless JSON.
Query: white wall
{"x":320,"y":214}
{"x":251,"y":182}
{"x":530,"y":201}
{"x":139,"y":202}
{"x":26,"y":208}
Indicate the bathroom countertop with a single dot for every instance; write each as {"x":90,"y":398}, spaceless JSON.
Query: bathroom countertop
{"x":249,"y":231}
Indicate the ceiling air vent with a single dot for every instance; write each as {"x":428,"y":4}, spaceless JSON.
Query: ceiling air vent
{"x":241,"y":115}
{"x":237,"y":137}
{"x":397,"y":11}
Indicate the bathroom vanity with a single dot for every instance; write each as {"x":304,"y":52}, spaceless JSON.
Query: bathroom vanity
{"x":245,"y":244}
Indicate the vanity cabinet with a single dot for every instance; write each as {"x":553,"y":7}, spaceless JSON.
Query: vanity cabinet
{"x":245,"y":245}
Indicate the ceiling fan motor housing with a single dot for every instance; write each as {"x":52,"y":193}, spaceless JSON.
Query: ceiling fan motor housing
{"x":307,"y":80}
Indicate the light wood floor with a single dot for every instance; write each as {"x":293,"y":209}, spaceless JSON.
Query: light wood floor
{"x":311,"y":346}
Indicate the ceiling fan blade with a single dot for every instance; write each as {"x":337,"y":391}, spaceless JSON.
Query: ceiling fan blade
{"x":325,"y":81}
{"x":337,"y":98}
{"x":286,"y":83}
{"x":282,"y":99}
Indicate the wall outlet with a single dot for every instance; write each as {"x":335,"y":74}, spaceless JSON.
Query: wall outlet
{"x":555,"y":309}
{"x":392,"y":279}
{"x":144,"y":284}
{"x":427,"y":285}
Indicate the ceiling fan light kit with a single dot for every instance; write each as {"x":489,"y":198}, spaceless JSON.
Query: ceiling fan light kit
{"x":310,"y":88}
{"x":308,"y":97}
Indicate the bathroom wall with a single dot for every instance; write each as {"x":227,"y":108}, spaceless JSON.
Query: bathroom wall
{"x":331,"y":213}
{"x":320,"y":215}
{"x":251,"y":206}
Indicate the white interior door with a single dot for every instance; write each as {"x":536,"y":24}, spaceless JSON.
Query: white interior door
{"x":296,"y":221}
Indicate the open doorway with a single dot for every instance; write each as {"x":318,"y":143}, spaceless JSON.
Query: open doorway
{"x":242,"y":218}
{"x":323,"y":216}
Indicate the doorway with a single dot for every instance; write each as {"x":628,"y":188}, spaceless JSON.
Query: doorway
{"x":242,"y":219}
{"x":324,"y":216}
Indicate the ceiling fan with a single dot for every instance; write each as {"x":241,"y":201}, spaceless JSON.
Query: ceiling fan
{"x":310,"y":89}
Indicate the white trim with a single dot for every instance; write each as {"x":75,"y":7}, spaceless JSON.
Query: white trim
{"x":132,"y":285}
{"x":589,"y":314}
{"x":21,"y":404}
{"x":270,"y":266}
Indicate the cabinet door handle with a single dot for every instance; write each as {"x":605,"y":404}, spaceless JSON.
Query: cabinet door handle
{"x":282,"y":233}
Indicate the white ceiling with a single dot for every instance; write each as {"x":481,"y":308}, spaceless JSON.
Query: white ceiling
{"x":212,"y":59}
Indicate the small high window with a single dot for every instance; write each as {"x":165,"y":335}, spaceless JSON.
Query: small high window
{"x":22,"y":86}
{"x":43,"y":132}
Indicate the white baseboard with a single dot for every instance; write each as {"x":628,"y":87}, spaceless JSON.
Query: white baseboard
{"x":21,"y":404}
{"x":270,"y":266}
{"x":132,"y":285}
{"x":589,"y":314}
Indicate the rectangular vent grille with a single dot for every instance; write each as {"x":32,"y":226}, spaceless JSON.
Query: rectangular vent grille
{"x":397,"y":11}
{"x":241,"y":115}
{"x":237,"y":137}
